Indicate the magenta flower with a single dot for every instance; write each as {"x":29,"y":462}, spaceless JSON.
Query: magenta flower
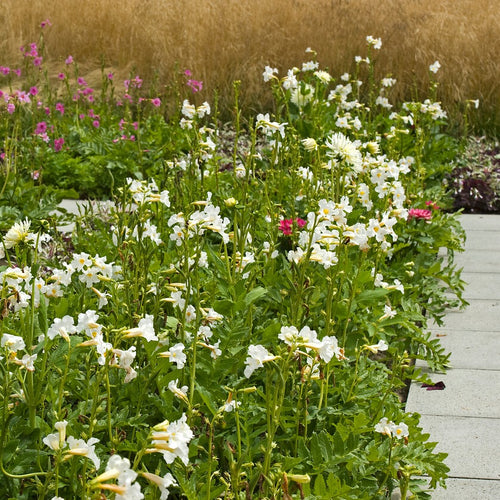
{"x":41,"y":128}
{"x":60,"y":107}
{"x":110,"y":76}
{"x":419,"y":213}
{"x":188,"y":73}
{"x":45,"y":23}
{"x":69,"y":60}
{"x":286,"y":225}
{"x":195,"y":85}
{"x":11,"y":108}
{"x":96,"y":123}
{"x":46,"y":110}
{"x":58,"y":144}
{"x":432,"y":204}
{"x":81,"y":81}
{"x":17,"y":71}
{"x":37,"y":61}
{"x":156,"y":102}
{"x":4,"y":70}
{"x":61,"y":76}
{"x":33,"y":90}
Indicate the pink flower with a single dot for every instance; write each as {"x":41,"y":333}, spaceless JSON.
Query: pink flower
{"x":69,"y":60}
{"x":419,"y":213}
{"x":17,"y":71}
{"x":45,"y":23}
{"x":300,"y":222}
{"x":96,"y":123}
{"x":61,"y":76}
{"x":58,"y":144}
{"x":4,"y":70}
{"x":33,"y":90}
{"x":11,"y":108}
{"x":81,"y":116}
{"x":156,"y":102}
{"x":188,"y":73}
{"x":35,"y":174}
{"x":60,"y":107}
{"x":110,"y":76}
{"x":47,"y":111}
{"x":81,"y":81}
{"x":37,"y":61}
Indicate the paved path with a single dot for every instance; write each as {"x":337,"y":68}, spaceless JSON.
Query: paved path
{"x":464,"y":418}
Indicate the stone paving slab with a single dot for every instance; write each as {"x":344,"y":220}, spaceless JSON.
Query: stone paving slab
{"x":468,"y":393}
{"x":468,"y":489}
{"x":469,"y":349}
{"x":480,"y":222}
{"x":483,"y":240}
{"x":480,"y":315}
{"x":478,"y":261}
{"x":482,"y":285}
{"x":472,"y":444}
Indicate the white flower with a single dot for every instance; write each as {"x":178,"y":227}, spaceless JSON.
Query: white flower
{"x":323,"y":76}
{"x":380,"y":346}
{"x":376,"y":43}
{"x":56,"y":441}
{"x":257,"y":356}
{"x":144,"y":329}
{"x":88,"y":321}
{"x":172,"y":440}
{"x":188,"y":110}
{"x":264,"y":122}
{"x":388,"y":82}
{"x":388,"y":312}
{"x":17,"y":233}
{"x":12,"y":342}
{"x":126,"y":488}
{"x":310,"y":66}
{"x":340,"y":146}
{"x":176,"y":355}
{"x":383,"y":102}
{"x":269,"y":73}
{"x":212,"y":316}
{"x":163,"y":483}
{"x":400,"y":430}
{"x":27,"y":362}
{"x":290,"y":81}
{"x":434,"y":67}
{"x":231,"y":405}
{"x":190,"y":314}
{"x":85,"y":449}
{"x":390,"y":429}
{"x":309,"y":144}
{"x":180,"y":392}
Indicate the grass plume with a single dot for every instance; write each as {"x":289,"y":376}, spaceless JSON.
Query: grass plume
{"x":224,"y":40}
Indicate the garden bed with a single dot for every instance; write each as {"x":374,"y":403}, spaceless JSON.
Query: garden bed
{"x":237,"y":320}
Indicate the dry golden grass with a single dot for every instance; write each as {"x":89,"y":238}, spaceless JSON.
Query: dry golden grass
{"x":224,"y":40}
